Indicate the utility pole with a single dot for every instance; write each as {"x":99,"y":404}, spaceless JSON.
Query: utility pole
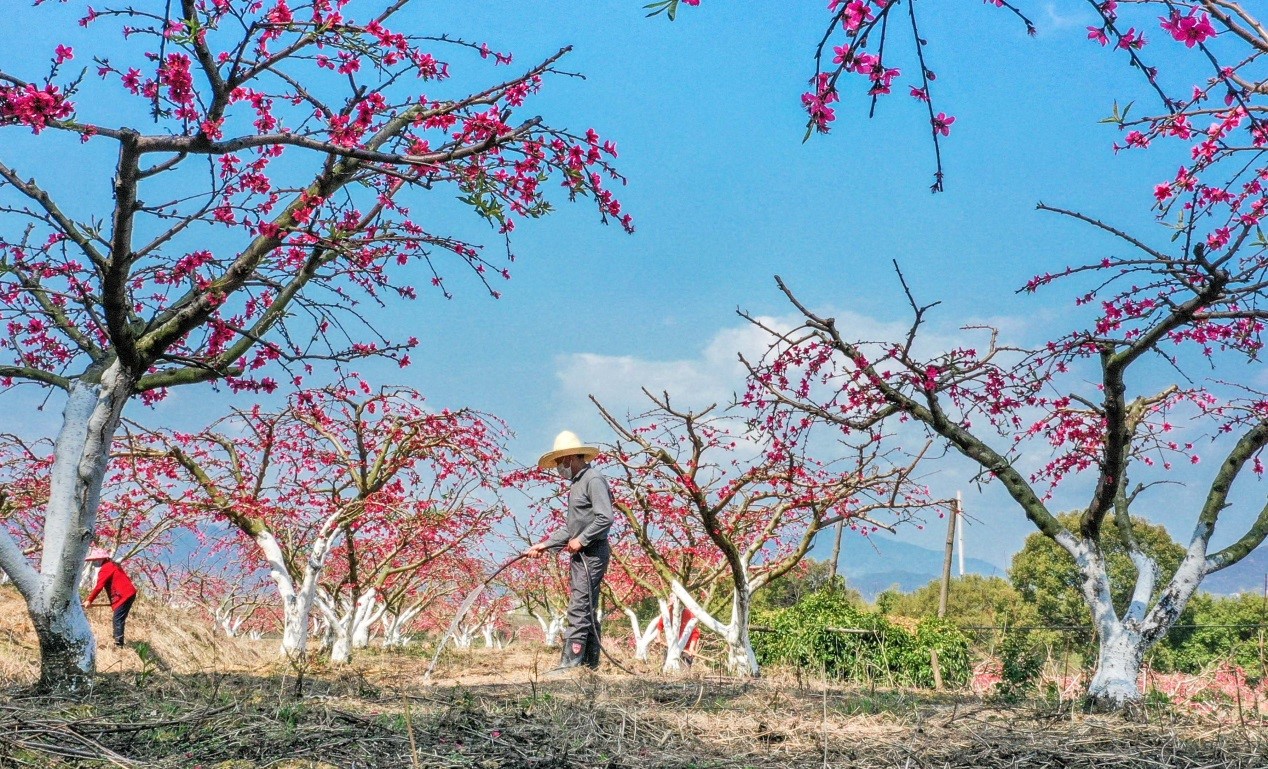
{"x":959,"y":531}
{"x":836,"y":548}
{"x":946,"y":559}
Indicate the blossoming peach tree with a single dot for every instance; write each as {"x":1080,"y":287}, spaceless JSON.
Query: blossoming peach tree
{"x":1110,"y":403}
{"x":345,"y":496}
{"x":719,"y":510}
{"x":1107,"y":398}
{"x":232,"y":188}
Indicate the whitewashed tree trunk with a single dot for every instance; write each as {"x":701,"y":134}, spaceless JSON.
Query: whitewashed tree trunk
{"x":1116,"y":682}
{"x":644,"y":638}
{"x":492,"y":640}
{"x":339,"y":637}
{"x":677,"y":633}
{"x":740,"y":656}
{"x":324,"y":633}
{"x":552,"y":627}
{"x":68,"y":649}
{"x":741,"y":660}
{"x":395,"y":625}
{"x":675,"y":650}
{"x":369,"y":611}
{"x":297,"y":602}
{"x":341,"y":648}
{"x":675,"y":640}
{"x":347,"y":619}
{"x":463,"y":636}
{"x":1124,"y":641}
{"x":226,"y":620}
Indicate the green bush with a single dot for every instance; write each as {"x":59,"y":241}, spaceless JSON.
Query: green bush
{"x":808,"y":635}
{"x":1021,"y":662}
{"x":1215,"y":630}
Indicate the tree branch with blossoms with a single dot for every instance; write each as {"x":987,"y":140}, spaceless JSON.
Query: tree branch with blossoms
{"x":312,"y":134}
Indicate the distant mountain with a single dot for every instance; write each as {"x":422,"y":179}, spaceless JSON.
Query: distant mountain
{"x":878,"y":563}
{"x":1245,"y":576}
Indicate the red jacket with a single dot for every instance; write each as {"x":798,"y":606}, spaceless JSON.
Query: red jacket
{"x":116,"y":583}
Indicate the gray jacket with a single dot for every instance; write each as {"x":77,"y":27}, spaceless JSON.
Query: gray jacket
{"x":589,"y":511}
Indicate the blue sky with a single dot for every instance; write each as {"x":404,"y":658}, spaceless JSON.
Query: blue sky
{"x":706,"y":114}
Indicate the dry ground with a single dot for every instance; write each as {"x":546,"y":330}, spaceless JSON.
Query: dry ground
{"x":200,"y":700}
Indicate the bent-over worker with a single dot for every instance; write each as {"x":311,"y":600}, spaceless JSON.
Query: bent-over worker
{"x":119,"y":589}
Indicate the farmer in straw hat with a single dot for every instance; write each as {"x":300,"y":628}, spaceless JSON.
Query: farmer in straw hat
{"x":118,"y":587}
{"x":585,"y":536}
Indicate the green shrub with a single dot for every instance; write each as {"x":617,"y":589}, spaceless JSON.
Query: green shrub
{"x":1021,"y":662}
{"x":810,"y":635}
{"x":1215,"y":630}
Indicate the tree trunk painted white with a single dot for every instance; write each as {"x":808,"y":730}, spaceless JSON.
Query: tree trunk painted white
{"x":1123,"y":642}
{"x":369,"y":611}
{"x":677,"y":633}
{"x":346,"y":619}
{"x":741,"y":660}
{"x":552,"y":627}
{"x":1116,"y":682}
{"x":226,"y":620}
{"x":338,"y":613}
{"x":341,"y":648}
{"x":297,"y":602}
{"x":323,"y":633}
{"x":644,"y":638}
{"x":395,"y":625}
{"x":67,"y":647}
{"x":463,"y":636}
{"x":492,"y":639}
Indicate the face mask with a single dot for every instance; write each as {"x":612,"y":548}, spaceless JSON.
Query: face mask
{"x":565,"y":471}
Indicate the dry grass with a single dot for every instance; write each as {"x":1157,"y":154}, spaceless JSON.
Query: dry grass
{"x":178,"y":641}
{"x":223,"y":704}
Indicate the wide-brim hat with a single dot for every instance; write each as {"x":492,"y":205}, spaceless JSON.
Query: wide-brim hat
{"x":567,"y":444}
{"x":97,"y":554}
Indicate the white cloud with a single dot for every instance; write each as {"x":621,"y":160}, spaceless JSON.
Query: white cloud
{"x":1056,"y":21}
{"x":715,"y":375}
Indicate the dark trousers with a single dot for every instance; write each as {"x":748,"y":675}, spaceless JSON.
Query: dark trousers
{"x":586,"y":570}
{"x":121,"y":619}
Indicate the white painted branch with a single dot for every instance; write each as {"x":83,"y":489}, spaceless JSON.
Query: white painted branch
{"x":17,"y":568}
{"x":1142,"y":594}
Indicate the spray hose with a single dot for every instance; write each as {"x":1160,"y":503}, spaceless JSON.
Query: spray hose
{"x":463,"y":608}
{"x":475,"y":593}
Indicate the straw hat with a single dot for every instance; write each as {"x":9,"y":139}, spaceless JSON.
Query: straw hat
{"x":97,"y":554}
{"x":566,"y":444}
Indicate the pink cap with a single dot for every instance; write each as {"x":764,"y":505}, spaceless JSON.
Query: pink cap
{"x":97,"y":554}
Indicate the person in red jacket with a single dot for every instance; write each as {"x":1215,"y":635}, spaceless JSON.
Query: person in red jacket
{"x":118,"y":588}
